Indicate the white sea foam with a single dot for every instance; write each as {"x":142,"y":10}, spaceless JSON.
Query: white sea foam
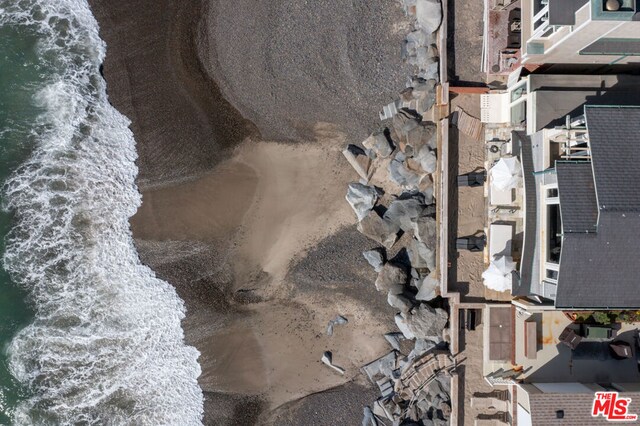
{"x":106,"y":345}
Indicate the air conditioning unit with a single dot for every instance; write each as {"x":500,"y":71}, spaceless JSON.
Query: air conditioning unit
{"x":494,"y":108}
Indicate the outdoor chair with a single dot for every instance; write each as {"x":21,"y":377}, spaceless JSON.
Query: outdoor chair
{"x":472,"y":243}
{"x":475,"y":178}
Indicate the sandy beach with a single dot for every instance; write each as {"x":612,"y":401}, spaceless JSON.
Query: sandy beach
{"x":248,"y":221}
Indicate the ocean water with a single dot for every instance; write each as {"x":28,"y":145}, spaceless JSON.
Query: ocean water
{"x":89,"y":335}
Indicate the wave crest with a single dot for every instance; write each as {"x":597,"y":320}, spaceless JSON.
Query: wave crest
{"x":106,"y":345}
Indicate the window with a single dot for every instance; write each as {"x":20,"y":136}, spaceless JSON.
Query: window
{"x":519,"y":91}
{"x":554,"y":233}
{"x":552,"y":193}
{"x":519,"y":113}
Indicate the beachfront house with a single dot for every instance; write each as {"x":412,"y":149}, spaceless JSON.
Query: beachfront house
{"x":579,"y":32}
{"x":582,"y":208}
{"x":539,"y":101}
{"x":554,"y":200}
{"x":568,"y":224}
{"x":549,"y":404}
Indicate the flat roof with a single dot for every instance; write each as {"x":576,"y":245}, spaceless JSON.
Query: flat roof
{"x":557,"y":95}
{"x":563,"y":12}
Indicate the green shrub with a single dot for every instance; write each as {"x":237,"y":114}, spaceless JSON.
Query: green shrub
{"x":601,"y":317}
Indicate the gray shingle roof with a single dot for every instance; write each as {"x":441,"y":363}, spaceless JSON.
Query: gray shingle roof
{"x":601,"y":270}
{"x":615,"y":152}
{"x":576,"y":408}
{"x":578,"y":204}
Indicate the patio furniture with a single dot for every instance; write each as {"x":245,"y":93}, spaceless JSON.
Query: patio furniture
{"x":620,"y":349}
{"x":530,"y":339}
{"x":500,"y":236}
{"x":506,"y":173}
{"x":570,"y":338}
{"x":472,"y":243}
{"x":597,"y":332}
{"x":475,"y":178}
{"x":501,"y":197}
{"x":499,"y":275}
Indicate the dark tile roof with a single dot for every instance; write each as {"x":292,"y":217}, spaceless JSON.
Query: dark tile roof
{"x":615,"y":154}
{"x":601,"y":269}
{"x":578,"y":204}
{"x":576,"y":408}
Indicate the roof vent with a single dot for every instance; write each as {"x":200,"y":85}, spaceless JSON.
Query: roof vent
{"x":560,"y":414}
{"x":612,"y":5}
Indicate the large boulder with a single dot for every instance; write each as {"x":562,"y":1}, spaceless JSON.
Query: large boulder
{"x":430,"y":134}
{"x":378,"y":229}
{"x":400,"y":174}
{"x":399,"y":301}
{"x":421,"y":347}
{"x":359,"y":160}
{"x":404,"y":123}
{"x":426,"y":186}
{"x":391,"y":278}
{"x":421,"y":255}
{"x":375,"y":258}
{"x":425,"y":229}
{"x":429,"y":15}
{"x":403,"y":326}
{"x":427,"y":158}
{"x":404,"y":212}
{"x":394,"y":340}
{"x":415,"y":251}
{"x":429,"y":288}
{"x":418,"y":38}
{"x":431,"y":69}
{"x":380,"y":144}
{"x":422,"y":322}
{"x":362,"y":198}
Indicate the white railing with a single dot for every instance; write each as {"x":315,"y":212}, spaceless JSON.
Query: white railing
{"x":544,"y":12}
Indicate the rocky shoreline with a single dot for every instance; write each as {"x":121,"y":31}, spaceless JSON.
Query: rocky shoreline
{"x":190,"y":78}
{"x":395,"y":207}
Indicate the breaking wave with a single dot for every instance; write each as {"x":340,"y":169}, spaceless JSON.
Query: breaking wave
{"x":106,"y":345}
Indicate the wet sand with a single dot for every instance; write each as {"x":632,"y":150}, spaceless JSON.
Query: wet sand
{"x":274,"y":281}
{"x":255,"y":233}
{"x":181,"y":122}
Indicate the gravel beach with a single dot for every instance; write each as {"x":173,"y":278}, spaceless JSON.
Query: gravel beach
{"x":251,"y":229}
{"x":288,"y":64}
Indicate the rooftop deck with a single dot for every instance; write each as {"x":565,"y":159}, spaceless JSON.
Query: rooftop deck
{"x":553,"y":361}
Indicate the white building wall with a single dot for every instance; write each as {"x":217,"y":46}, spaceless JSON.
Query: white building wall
{"x":563,"y":388}
{"x":566,"y":49}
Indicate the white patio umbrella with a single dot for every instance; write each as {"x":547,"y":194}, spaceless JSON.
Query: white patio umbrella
{"x":506,"y":173}
{"x":498,"y":275}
